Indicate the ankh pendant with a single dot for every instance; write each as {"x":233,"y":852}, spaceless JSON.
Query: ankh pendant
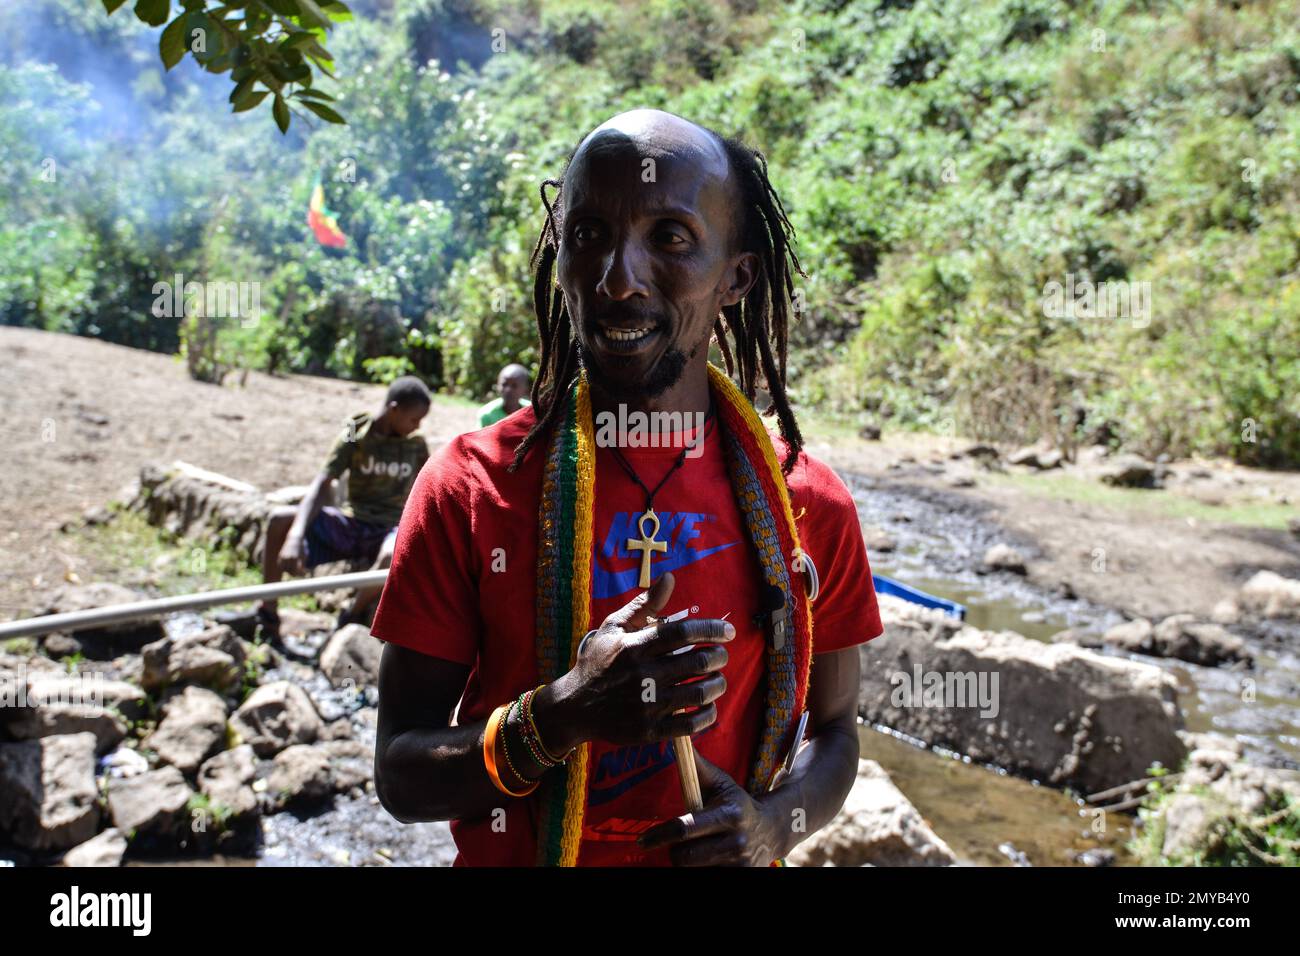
{"x":647,"y":544}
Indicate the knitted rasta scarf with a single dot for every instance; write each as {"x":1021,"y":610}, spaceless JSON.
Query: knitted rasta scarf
{"x":564,"y":587}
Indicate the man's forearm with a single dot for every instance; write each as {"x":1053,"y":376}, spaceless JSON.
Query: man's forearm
{"x":424,"y":774}
{"x":307,"y":508}
{"x":813,"y":794}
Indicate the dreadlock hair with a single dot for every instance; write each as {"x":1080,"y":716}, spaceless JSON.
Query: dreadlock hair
{"x":757,"y":326}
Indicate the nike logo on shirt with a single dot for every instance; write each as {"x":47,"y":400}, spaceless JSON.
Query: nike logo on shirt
{"x":677,"y":528}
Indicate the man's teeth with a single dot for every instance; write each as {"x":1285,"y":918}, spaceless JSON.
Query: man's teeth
{"x":627,"y":335}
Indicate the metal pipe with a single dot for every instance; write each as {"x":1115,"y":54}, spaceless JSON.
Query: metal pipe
{"x":139,"y":610}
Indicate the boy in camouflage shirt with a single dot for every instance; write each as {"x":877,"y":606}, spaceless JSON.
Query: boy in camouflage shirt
{"x":381,"y":456}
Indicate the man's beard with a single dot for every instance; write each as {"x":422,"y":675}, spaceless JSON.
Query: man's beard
{"x":666,"y":373}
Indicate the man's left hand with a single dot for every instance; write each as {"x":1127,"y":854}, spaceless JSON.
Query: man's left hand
{"x":733,"y":829}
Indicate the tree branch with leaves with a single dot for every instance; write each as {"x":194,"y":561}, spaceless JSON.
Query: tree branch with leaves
{"x":271,"y":48}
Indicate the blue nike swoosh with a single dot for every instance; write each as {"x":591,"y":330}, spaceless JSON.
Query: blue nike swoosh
{"x":607,"y":584}
{"x":599,"y":795}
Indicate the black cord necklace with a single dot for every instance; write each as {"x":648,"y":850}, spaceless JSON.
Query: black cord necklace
{"x":647,"y":544}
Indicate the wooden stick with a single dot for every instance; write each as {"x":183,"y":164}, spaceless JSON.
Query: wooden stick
{"x":1130,"y":804}
{"x":1125,"y":787}
{"x":686,"y":770}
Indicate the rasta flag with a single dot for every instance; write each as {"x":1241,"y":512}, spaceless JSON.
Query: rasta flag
{"x":322,"y":221}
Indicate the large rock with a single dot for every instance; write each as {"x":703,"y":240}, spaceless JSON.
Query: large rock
{"x":1270,"y":595}
{"x":227,"y":780}
{"x":1035,"y":457}
{"x":153,"y":804}
{"x":193,"y":728}
{"x":212,"y":658}
{"x":299,"y":622}
{"x":352,"y":654}
{"x":1129,"y":471}
{"x":52,"y":720}
{"x":48,"y":704}
{"x":107,"y":849}
{"x":1181,"y":636}
{"x":103,"y":643}
{"x":47,"y":791}
{"x":61,"y":687}
{"x":188,"y":504}
{"x":1003,"y":557}
{"x":1137,"y":636}
{"x":300,"y":777}
{"x":275,"y":716}
{"x":1055,"y":712}
{"x":877,"y":826}
{"x":1199,"y":642}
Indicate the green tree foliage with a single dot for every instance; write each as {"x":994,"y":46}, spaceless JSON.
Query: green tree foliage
{"x":943,"y":163}
{"x":275,"y":44}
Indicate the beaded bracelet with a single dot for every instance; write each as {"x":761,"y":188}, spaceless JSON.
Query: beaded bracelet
{"x":505,"y":746}
{"x":532,"y":724}
{"x":529,"y":731}
{"x":495,"y":725}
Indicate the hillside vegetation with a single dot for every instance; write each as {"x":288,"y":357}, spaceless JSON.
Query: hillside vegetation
{"x":944,"y":164}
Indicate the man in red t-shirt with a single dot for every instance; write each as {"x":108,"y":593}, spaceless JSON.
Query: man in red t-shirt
{"x":645,"y":266}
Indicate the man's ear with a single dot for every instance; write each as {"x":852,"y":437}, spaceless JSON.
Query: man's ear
{"x":742,"y":274}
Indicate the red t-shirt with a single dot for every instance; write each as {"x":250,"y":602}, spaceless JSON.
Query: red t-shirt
{"x":463,"y":588}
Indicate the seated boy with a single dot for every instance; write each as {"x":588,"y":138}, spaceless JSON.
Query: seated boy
{"x":381,"y":456}
{"x":512,"y":387}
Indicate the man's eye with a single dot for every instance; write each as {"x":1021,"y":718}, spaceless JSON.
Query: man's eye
{"x":584,"y":233}
{"x":670,"y":238}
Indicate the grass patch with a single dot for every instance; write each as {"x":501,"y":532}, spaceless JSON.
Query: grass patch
{"x":1146,"y":501}
{"x":1232,"y":838}
{"x":130,"y":551}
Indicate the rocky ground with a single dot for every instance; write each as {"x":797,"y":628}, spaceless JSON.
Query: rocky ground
{"x":195,"y":742}
{"x":192,"y":742}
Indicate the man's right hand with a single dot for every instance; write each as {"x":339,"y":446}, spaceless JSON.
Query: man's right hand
{"x":291,"y":555}
{"x":627,"y":684}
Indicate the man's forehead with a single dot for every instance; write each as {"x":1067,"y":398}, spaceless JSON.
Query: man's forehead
{"x":625,"y":142}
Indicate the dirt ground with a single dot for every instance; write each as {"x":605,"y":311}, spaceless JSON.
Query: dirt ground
{"x":80,"y":417}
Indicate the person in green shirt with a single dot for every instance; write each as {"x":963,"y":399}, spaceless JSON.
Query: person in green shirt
{"x":381,"y":456}
{"x":512,"y":385}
